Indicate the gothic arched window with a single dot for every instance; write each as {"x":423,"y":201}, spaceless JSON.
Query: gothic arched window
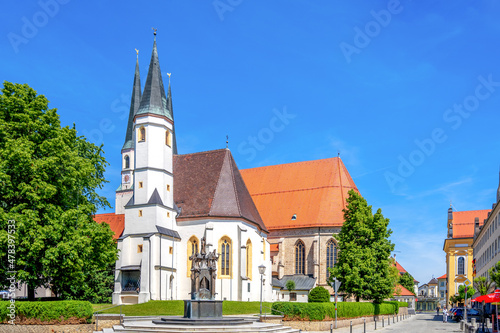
{"x":300,"y":257}
{"x":127,"y":162}
{"x":249,"y":259}
{"x":225,"y":257}
{"x":461,"y":266}
{"x":192,"y":248}
{"x":331,"y":255}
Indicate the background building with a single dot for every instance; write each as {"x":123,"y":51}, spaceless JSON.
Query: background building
{"x":402,"y":294}
{"x":458,"y":247}
{"x":428,"y":297}
{"x":486,"y":242}
{"x":442,"y":291}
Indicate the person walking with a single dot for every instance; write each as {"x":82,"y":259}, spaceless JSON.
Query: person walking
{"x":445,"y":315}
{"x":437,"y":310}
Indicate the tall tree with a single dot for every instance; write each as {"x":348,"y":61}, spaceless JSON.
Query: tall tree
{"x":407,"y":281}
{"x":49,"y":179}
{"x":364,"y":250}
{"x":482,"y":285}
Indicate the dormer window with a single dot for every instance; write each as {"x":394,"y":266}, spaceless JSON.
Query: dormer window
{"x":294,"y":217}
{"x":127,"y":162}
{"x":142,"y":134}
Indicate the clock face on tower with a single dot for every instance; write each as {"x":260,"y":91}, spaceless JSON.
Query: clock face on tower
{"x":126,"y":179}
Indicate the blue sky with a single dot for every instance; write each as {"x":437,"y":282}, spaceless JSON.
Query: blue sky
{"x":408,"y":92}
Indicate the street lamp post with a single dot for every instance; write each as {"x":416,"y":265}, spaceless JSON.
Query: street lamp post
{"x":262,"y":270}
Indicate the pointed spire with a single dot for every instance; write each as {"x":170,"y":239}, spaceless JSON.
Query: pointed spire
{"x":134,"y":104}
{"x":153,"y":99}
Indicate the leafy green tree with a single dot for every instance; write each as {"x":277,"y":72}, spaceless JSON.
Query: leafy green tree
{"x":49,"y":179}
{"x":290,"y":285}
{"x":394,"y":276}
{"x":364,"y":250}
{"x":482,"y":285}
{"x":407,"y":281}
{"x":495,"y":274}
{"x":461,"y":294}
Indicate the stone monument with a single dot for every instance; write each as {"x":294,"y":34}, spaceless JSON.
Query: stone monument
{"x":203,"y":275}
{"x":202,"y":309}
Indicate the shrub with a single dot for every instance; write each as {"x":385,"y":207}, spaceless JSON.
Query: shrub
{"x":318,"y":295}
{"x":290,"y":285}
{"x":396,"y":304}
{"x":321,"y":311}
{"x":51,"y":310}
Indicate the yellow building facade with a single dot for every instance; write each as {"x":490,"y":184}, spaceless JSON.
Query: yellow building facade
{"x":458,"y":248}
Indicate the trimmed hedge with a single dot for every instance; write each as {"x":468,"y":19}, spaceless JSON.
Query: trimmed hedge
{"x":318,"y":294}
{"x":397,"y":305}
{"x":322,"y":311}
{"x":49,"y":310}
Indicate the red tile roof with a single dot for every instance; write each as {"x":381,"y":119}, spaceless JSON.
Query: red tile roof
{"x":275,"y":247}
{"x":463,"y":222}
{"x":115,"y":221}
{"x":400,"y":268}
{"x":210,"y":184}
{"x":314,"y":192}
{"x":442,"y":277}
{"x":403,"y":291}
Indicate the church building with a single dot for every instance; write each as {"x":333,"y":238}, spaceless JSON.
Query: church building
{"x":283,"y":217}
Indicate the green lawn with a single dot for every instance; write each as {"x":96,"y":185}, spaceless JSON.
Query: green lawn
{"x":176,"y":308}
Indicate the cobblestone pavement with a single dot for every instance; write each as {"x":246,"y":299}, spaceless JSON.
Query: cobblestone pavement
{"x":420,"y":323}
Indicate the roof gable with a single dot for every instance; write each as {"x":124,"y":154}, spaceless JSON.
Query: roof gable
{"x":402,"y":291}
{"x":210,"y":184}
{"x":313,"y":191}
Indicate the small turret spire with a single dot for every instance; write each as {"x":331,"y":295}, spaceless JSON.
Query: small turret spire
{"x":170,"y":108}
{"x":134,"y":104}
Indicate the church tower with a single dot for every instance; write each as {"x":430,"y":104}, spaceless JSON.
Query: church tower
{"x":153,"y":140}
{"x":125,"y":190}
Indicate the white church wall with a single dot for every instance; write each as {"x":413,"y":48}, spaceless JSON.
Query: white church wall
{"x":144,"y":219}
{"x":239,"y":233}
{"x":166,"y":190}
{"x":130,"y":254}
{"x":156,"y":153}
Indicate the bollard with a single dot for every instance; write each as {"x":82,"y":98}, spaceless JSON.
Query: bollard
{"x":393,"y":319}
{"x":461,"y":325}
{"x":364,"y":325}
{"x":350,"y":330}
{"x":375,"y":320}
{"x":383,"y":321}
{"x":388,"y":320}
{"x":331,"y":328}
